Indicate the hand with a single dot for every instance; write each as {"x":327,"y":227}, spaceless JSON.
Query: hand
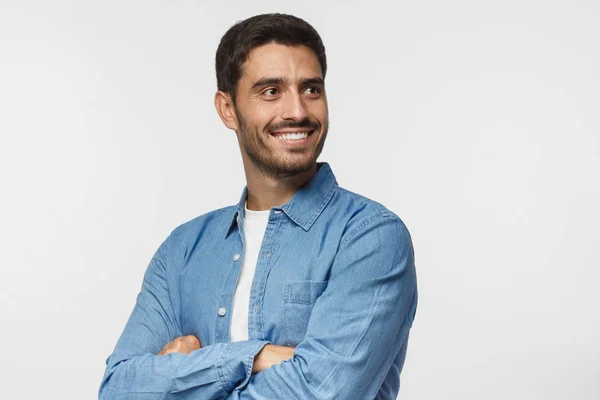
{"x":183,"y":344}
{"x":271,"y":355}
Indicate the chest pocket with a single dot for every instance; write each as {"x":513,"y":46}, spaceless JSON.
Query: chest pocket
{"x":298,"y":300}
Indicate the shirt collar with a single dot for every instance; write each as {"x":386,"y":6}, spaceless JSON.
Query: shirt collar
{"x":305,"y":206}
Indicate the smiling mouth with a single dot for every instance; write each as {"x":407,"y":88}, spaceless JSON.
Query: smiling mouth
{"x":291,"y":136}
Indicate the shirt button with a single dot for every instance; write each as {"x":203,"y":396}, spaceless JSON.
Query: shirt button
{"x":268,"y":254}
{"x":222,"y":311}
{"x":236,"y":257}
{"x":255,"y":307}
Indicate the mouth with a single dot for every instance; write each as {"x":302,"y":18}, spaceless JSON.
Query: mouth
{"x":292,"y":136}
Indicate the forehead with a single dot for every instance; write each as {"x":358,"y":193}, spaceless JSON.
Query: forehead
{"x":278,"y":60}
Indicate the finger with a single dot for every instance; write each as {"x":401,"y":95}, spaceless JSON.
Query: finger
{"x":169,"y":348}
{"x":166,"y":352}
{"x":193,"y":342}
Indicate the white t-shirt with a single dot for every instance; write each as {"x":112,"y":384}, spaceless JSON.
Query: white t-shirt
{"x":255,"y":225}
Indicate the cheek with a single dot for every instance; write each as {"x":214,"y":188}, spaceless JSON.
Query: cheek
{"x":319,"y":111}
{"x":262,"y":116}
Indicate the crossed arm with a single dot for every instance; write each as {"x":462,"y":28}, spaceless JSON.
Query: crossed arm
{"x":358,"y":328}
{"x":269,"y":355}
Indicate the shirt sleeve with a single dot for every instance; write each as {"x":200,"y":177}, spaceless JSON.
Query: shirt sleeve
{"x":134,"y":371}
{"x":358,"y":326}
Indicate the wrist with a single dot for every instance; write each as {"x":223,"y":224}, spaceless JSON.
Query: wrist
{"x":271,"y":355}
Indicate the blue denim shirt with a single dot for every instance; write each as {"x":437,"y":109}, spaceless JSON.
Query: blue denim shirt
{"x":335,"y":278}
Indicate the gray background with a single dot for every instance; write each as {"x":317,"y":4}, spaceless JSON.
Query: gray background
{"x":476,"y":121}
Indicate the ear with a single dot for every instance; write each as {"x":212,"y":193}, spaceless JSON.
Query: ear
{"x":225,"y":109}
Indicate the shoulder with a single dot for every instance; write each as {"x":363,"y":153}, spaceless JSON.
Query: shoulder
{"x":215,"y":222}
{"x":375,"y":242}
{"x":369,"y":216}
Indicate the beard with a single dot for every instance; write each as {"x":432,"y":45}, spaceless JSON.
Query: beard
{"x":255,"y":145}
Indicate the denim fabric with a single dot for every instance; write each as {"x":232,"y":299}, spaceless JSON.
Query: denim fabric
{"x":335,"y":277}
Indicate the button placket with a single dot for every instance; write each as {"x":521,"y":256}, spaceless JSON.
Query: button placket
{"x":224,"y":306}
{"x":271,"y":241}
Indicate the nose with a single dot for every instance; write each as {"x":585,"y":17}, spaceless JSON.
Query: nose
{"x":293,"y":107}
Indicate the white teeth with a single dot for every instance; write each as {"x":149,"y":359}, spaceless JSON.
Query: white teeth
{"x":293,"y":136}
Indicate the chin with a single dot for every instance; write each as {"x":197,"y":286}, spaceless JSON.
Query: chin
{"x":291,"y":168}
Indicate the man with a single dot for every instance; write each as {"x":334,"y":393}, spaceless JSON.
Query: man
{"x":303,"y":290}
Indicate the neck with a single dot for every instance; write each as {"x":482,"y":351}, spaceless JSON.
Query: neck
{"x":266,"y":191}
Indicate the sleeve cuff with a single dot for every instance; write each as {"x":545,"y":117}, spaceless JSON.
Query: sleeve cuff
{"x":234,"y":367}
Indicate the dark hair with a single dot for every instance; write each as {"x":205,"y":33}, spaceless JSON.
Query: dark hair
{"x":256,"y":31}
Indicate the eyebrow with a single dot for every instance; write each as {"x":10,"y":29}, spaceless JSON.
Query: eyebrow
{"x":312,"y":81}
{"x":282,"y":81}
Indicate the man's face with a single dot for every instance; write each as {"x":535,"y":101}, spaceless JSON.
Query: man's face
{"x":281,"y":109}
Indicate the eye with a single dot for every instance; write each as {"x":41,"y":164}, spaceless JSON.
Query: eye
{"x":312,"y":91}
{"x":271,"y":92}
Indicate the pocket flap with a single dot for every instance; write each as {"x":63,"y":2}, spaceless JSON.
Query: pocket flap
{"x":304,"y":292}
